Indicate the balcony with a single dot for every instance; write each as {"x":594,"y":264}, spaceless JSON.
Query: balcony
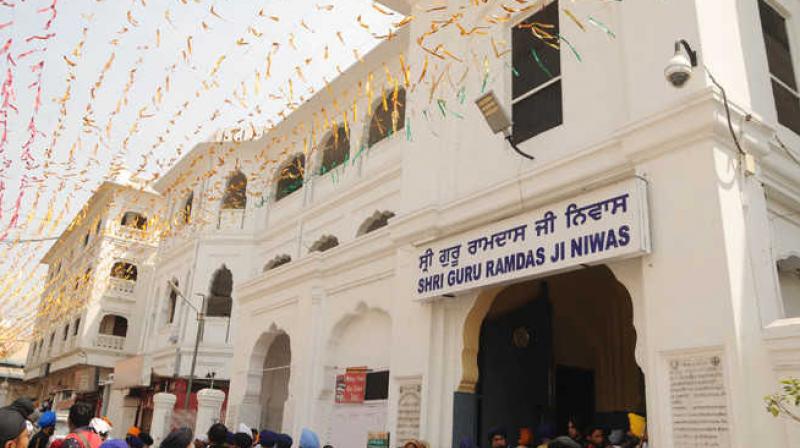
{"x":231,"y":219}
{"x":109,"y":342}
{"x":120,"y":287}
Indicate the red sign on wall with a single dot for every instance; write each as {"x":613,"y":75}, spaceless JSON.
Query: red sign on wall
{"x":351,"y":387}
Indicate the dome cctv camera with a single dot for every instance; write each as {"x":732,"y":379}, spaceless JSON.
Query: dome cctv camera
{"x":679,"y":68}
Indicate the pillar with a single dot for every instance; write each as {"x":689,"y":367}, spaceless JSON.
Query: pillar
{"x":209,"y":405}
{"x":4,"y":393}
{"x":163,"y":404}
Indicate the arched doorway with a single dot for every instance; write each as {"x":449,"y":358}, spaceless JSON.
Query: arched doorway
{"x":549,"y":350}
{"x":275,"y":382}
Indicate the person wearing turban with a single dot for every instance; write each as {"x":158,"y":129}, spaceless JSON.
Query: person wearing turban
{"x":267,"y":439}
{"x":47,"y":425}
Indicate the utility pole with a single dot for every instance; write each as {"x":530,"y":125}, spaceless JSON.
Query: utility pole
{"x":201,"y":320}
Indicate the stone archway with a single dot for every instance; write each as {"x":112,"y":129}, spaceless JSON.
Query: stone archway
{"x":267,"y":384}
{"x":591,"y":326}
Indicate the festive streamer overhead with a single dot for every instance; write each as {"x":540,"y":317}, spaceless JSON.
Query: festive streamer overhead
{"x":110,"y":91}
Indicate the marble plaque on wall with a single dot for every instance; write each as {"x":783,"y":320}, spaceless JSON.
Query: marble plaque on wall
{"x":409,"y":407}
{"x":699,"y":401}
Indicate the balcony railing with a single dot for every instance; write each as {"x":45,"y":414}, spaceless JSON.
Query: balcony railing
{"x":121,"y":287}
{"x":110,"y":342}
{"x":231,"y":219}
{"x":132,"y":233}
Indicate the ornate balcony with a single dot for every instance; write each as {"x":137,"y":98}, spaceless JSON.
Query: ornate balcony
{"x":109,"y":342}
{"x":120,"y":287}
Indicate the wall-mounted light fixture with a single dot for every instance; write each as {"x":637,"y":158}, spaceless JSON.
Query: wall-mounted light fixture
{"x":497,"y":119}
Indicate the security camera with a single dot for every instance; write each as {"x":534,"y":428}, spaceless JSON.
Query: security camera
{"x":679,"y":68}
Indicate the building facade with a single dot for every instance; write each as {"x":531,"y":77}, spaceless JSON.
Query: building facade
{"x":403,"y":270}
{"x":98,"y":268}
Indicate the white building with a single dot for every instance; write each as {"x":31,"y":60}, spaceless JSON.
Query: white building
{"x":98,"y":269}
{"x":689,"y":313}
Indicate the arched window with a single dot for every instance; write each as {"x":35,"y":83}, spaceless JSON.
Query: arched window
{"x":375,"y":222}
{"x":324,"y":243}
{"x":279,"y":260}
{"x":335,"y":150}
{"x":66,"y":332}
{"x":135,"y":220}
{"x":124,"y":271}
{"x":389,"y":116}
{"x":789,"y":283}
{"x":220,"y":301}
{"x":76,"y":327}
{"x":172,"y":301}
{"x":235,"y":197}
{"x":86,"y":239}
{"x":114,"y":325}
{"x":290,"y":177}
{"x":186,"y":210}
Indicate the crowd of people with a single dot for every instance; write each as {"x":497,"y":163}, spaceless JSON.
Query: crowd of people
{"x":633,"y":435}
{"x":19,"y":420}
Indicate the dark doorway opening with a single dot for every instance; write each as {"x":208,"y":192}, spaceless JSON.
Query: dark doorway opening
{"x":574,"y":395}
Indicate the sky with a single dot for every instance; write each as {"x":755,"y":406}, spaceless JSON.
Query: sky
{"x":135,"y":84}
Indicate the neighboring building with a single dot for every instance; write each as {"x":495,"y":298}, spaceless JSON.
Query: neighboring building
{"x":12,"y":373}
{"x":98,"y":270}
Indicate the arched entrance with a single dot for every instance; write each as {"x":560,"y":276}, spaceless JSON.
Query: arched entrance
{"x":552,"y":349}
{"x":275,"y":382}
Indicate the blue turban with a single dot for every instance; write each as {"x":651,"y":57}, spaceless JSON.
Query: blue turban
{"x":47,"y":419}
{"x":309,"y":439}
{"x":114,"y":443}
{"x":134,"y":442}
{"x":268,"y":438}
{"x":284,"y":441}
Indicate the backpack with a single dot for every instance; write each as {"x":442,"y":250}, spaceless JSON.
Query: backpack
{"x":85,"y":439}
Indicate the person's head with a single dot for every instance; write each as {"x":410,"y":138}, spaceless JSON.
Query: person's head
{"x":134,"y":442}
{"x":546,"y":431}
{"x":268,"y":438}
{"x":179,"y":438}
{"x":283,"y":441}
{"x":101,"y":427}
{"x":242,"y":440}
{"x":309,"y":439}
{"x":498,"y":438}
{"x":466,"y":442}
{"x":80,"y":415}
{"x":13,"y":429}
{"x":573,"y":428}
{"x":596,"y":435}
{"x":217,"y":434}
{"x":415,"y":444}
{"x":525,"y":437}
{"x":47,"y":422}
{"x":133,"y":431}
{"x":146,"y":438}
{"x":254,"y":435}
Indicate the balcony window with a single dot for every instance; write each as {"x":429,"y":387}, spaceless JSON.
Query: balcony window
{"x":279,"y":260}
{"x":290,"y":177}
{"x":325,"y":242}
{"x":124,"y":271}
{"x":335,"y":149}
{"x":220,"y":301}
{"x":134,"y":220}
{"x":536,"y":81}
{"x":375,"y":222}
{"x":781,"y":67}
{"x":789,"y":282}
{"x":235,"y":197}
{"x":186,"y":210}
{"x":388,"y":116}
{"x":113,"y":325}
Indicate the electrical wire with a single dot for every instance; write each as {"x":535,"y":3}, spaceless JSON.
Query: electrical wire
{"x":727,"y":110}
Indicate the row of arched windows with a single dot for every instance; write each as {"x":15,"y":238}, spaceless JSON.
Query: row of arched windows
{"x":388,"y":117}
{"x":326,"y":242}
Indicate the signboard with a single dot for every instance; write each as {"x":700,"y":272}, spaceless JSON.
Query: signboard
{"x":409,"y":410}
{"x":698,"y":401}
{"x":355,"y":386}
{"x":600,"y":225}
{"x":378,"y":440}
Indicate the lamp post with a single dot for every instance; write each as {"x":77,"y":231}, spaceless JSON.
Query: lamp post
{"x":200,"y":326}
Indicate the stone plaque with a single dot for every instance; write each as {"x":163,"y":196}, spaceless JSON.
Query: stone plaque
{"x":699,"y":401}
{"x":408,"y":410}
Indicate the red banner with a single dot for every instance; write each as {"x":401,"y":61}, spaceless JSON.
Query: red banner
{"x":355,"y":384}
